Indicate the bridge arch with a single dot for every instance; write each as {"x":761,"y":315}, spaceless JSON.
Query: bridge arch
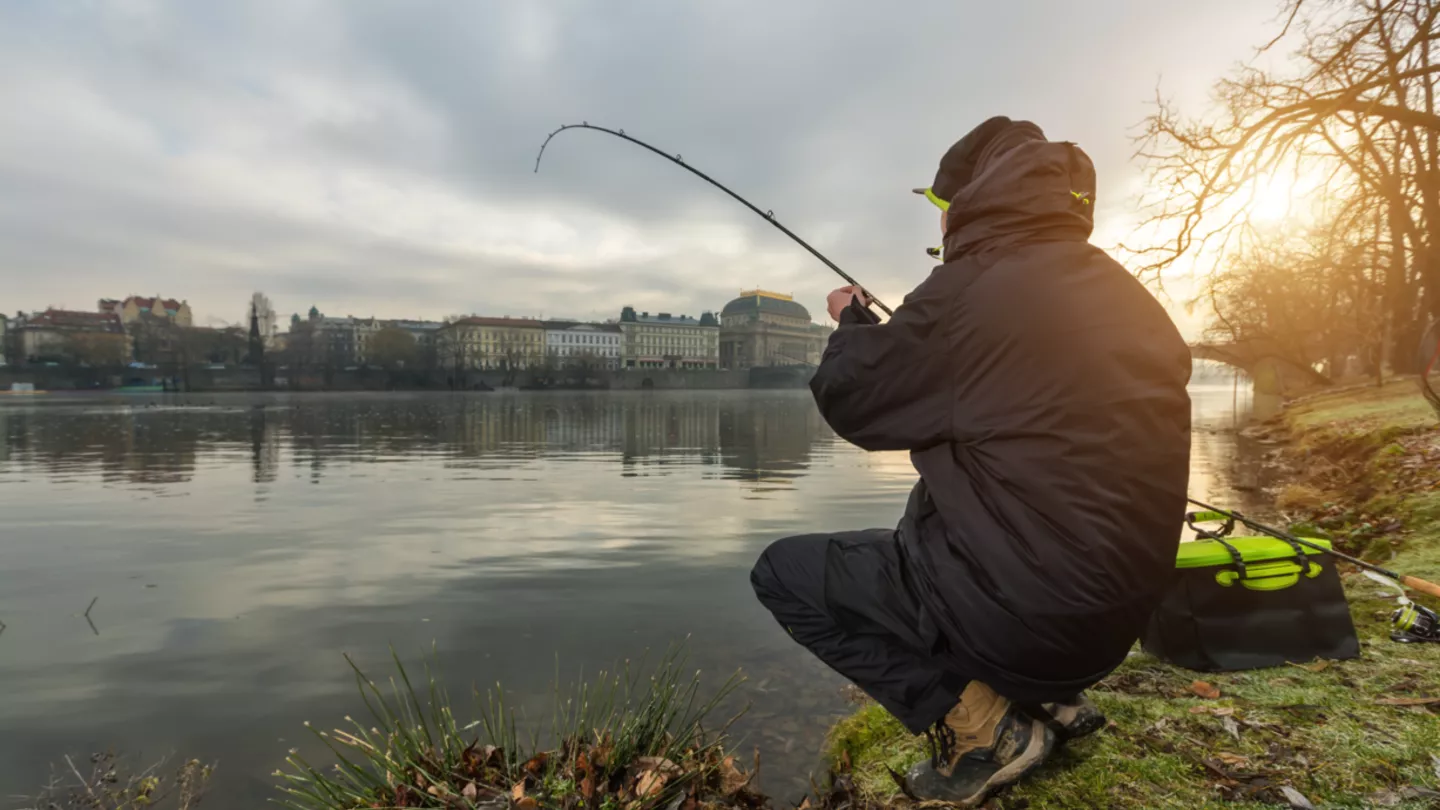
{"x":1270,"y":373}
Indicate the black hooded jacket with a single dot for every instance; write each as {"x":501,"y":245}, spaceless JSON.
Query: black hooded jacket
{"x":1041,"y":392}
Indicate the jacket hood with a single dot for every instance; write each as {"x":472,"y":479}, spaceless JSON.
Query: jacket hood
{"x":1024,"y":189}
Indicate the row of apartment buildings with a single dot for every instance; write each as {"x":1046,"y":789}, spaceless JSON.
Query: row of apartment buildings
{"x":489,"y":343}
{"x":758,"y":328}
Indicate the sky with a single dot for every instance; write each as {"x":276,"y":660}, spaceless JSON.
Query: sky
{"x":377,"y":158}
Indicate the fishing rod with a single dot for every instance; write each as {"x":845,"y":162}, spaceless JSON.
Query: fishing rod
{"x":768,"y":216}
{"x":1413,"y":583}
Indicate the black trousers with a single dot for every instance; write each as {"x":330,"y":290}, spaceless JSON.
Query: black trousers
{"x":843,"y":598}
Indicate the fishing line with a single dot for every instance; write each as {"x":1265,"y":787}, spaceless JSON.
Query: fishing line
{"x":768,"y":216}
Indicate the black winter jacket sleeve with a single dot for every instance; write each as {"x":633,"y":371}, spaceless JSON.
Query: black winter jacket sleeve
{"x":882,"y":386}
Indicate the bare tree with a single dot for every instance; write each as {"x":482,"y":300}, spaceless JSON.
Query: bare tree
{"x":1352,"y":121}
{"x":259,"y":304}
{"x":99,"y":349}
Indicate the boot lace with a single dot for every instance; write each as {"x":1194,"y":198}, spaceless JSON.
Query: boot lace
{"x":942,"y":744}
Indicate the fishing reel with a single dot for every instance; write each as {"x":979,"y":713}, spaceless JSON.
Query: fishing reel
{"x":1414,"y":624}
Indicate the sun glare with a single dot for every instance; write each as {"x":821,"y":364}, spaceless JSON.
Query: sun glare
{"x":1273,"y":197}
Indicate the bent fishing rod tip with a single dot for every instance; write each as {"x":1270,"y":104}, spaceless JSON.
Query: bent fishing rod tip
{"x":679,"y":160}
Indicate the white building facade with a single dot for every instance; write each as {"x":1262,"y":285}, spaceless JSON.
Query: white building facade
{"x":568,"y":343}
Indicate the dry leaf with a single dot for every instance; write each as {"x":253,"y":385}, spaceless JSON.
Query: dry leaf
{"x":1218,"y":711}
{"x":537,"y":764}
{"x":470,"y":791}
{"x":476,"y":759}
{"x":587,"y":780}
{"x":732,"y":779}
{"x":1231,"y":726}
{"x":1231,"y":759}
{"x":1425,"y":701}
{"x":1318,"y":666}
{"x":804,"y":804}
{"x":650,"y":782}
{"x":1296,"y":798}
{"x":1205,"y":690}
{"x":1435,"y":763}
{"x":660,"y":764}
{"x":518,"y":792}
{"x":527,"y":803}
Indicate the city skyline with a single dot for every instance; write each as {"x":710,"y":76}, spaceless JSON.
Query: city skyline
{"x":283,"y":314}
{"x":760,"y":329}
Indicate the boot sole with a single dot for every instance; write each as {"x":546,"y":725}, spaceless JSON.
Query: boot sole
{"x":1070,"y":722}
{"x":1042,"y":742}
{"x":1085,"y":724}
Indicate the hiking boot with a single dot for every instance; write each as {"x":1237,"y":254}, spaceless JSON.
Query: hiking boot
{"x":1074,"y":718}
{"x":982,"y":745}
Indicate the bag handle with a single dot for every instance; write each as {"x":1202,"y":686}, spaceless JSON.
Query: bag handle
{"x":1234,"y":555}
{"x":1301,"y":558}
{"x":1191,"y":518}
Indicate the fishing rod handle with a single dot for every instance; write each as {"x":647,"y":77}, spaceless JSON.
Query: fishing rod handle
{"x":1418,"y":584}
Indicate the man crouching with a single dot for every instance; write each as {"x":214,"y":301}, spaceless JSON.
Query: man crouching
{"x":1041,"y":392}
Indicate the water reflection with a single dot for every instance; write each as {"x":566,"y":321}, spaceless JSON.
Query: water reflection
{"x":239,"y":545}
{"x":763,"y":438}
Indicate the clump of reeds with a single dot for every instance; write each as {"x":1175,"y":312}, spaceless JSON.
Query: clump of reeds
{"x":621,"y":741}
{"x":107,"y":784}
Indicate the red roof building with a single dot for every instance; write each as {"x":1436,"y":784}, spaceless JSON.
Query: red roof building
{"x":134,"y":308}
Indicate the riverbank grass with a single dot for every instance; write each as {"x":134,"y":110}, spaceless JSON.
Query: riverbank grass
{"x":629,"y":740}
{"x":1360,"y":467}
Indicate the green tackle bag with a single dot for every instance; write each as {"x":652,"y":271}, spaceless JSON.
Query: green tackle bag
{"x":1250,"y":602}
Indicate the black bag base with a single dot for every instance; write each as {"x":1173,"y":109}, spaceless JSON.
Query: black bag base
{"x":1204,"y":626}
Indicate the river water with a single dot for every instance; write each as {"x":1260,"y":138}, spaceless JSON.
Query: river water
{"x":237,"y":546}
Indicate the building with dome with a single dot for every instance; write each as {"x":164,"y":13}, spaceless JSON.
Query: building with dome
{"x":762,"y":328}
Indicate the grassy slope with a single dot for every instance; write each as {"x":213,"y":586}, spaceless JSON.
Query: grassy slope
{"x":1361,"y":467}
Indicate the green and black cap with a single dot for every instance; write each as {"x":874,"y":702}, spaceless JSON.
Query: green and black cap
{"x":957,"y":167}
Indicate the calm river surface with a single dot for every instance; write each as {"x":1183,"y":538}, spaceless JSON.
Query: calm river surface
{"x":239,"y":545}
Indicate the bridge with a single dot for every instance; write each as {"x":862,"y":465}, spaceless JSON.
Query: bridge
{"x":1271,"y":373}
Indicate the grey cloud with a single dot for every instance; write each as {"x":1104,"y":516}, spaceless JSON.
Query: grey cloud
{"x":127,"y":133}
